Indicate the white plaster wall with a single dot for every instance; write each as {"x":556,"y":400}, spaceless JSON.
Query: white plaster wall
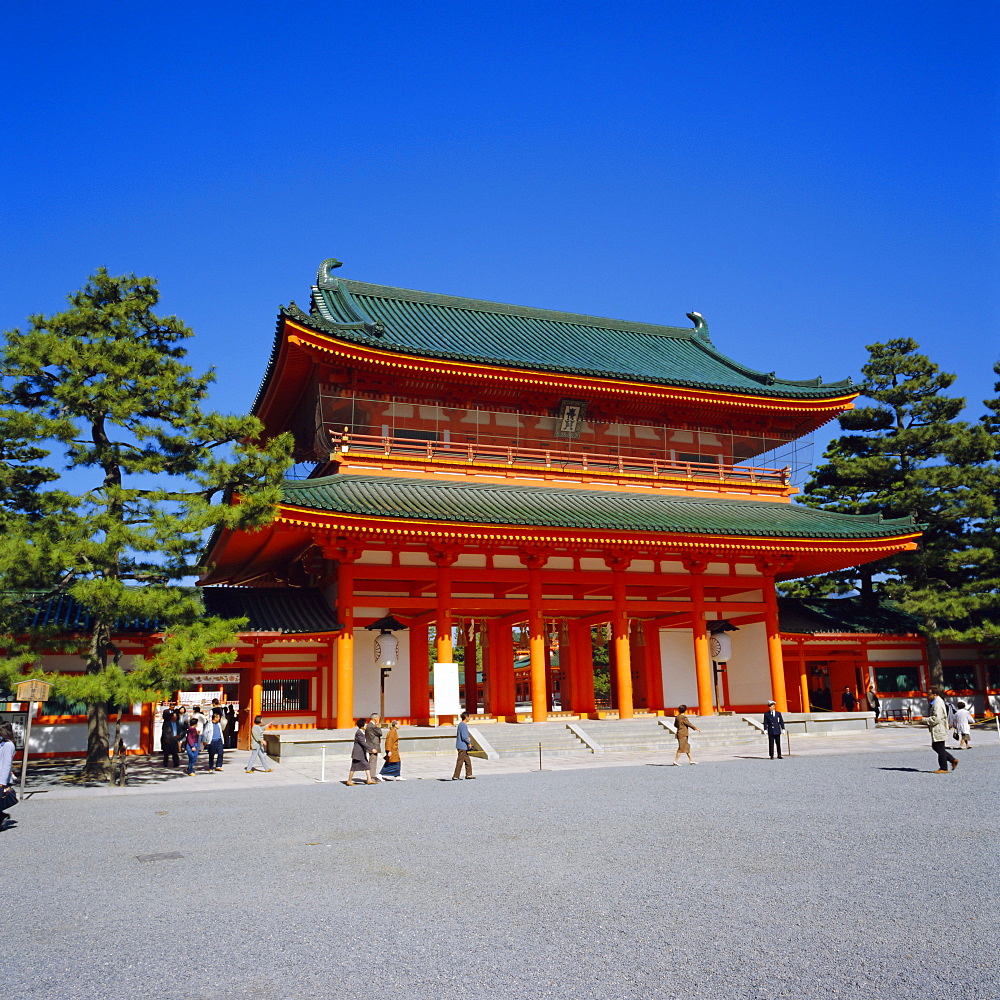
{"x":72,"y":737}
{"x":680,"y":685}
{"x":749,"y":671}
{"x":893,"y":655}
{"x":366,"y":677}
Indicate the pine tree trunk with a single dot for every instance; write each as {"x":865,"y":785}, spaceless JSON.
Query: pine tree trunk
{"x":98,"y":764}
{"x":935,"y":668}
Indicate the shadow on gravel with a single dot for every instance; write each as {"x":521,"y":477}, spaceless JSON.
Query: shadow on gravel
{"x":912,"y":770}
{"x":140,"y":771}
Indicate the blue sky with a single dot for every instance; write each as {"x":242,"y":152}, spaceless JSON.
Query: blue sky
{"x":811,"y":176}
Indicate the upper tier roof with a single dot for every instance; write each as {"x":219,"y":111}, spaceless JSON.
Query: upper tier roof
{"x":470,"y":330}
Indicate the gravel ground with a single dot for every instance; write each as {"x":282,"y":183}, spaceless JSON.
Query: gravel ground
{"x":834,"y":875}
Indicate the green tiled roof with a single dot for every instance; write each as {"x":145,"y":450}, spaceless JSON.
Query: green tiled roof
{"x":448,"y":327}
{"x":817,"y":616}
{"x":476,"y":503}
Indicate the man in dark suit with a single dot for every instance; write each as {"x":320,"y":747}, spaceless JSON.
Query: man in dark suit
{"x":773,"y":725}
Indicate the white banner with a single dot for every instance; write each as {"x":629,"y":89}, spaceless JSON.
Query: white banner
{"x":447,"y":700}
{"x":213,"y":679}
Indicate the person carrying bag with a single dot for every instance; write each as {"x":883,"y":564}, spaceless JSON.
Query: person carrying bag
{"x":8,"y":797}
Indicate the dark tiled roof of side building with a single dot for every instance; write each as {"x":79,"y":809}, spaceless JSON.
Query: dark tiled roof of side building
{"x":830,"y":615}
{"x":270,"y":609}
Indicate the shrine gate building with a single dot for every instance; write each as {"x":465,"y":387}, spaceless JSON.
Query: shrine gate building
{"x":479,"y":468}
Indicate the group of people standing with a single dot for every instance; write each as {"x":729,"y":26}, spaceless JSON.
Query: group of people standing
{"x":195,"y":731}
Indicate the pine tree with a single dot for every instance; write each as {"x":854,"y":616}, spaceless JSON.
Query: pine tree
{"x":908,"y":454}
{"x":105,"y":383}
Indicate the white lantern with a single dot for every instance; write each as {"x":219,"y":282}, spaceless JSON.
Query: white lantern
{"x":386,"y":648}
{"x":720,"y":646}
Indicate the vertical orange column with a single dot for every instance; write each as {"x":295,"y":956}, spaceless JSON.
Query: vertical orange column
{"x":702,"y":658}
{"x":774,"y":658}
{"x":420,"y":675}
{"x":345,"y":643}
{"x":536,"y":640}
{"x":443,"y":624}
{"x":583,"y":669}
{"x":803,"y":678}
{"x":501,"y":644}
{"x":619,"y":629}
{"x":471,"y":669}
{"x":654,"y":667}
{"x":565,"y":668}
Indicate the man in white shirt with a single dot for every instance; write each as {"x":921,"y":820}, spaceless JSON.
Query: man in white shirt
{"x":212,"y":738}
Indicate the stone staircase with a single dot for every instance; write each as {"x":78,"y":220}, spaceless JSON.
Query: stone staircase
{"x":522,"y":739}
{"x":611,"y":735}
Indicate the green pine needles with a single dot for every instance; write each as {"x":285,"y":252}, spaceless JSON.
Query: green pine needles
{"x":104,"y":385}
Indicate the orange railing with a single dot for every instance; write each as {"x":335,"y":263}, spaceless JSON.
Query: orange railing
{"x":555,"y":459}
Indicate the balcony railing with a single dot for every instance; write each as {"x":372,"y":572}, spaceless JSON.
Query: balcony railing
{"x":557,"y":460}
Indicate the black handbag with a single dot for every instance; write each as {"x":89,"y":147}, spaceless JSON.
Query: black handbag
{"x":8,"y":797}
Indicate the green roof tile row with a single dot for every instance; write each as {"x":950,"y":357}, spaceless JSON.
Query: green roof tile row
{"x":538,"y":506}
{"x":448,"y":327}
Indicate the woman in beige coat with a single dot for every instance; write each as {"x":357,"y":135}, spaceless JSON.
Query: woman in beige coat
{"x":392,"y":766}
{"x":682,"y":724}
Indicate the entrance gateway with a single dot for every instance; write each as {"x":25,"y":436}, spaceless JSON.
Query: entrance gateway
{"x":487,"y":473}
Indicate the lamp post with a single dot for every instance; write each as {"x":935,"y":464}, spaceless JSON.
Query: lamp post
{"x":386,"y":651}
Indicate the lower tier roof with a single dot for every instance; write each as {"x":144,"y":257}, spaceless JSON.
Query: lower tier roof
{"x":542,"y":506}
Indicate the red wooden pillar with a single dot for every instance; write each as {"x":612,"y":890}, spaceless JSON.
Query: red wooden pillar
{"x":774,"y":657}
{"x":534,"y":561}
{"x":654,"y":667}
{"x":501,"y":644}
{"x":420,"y":675}
{"x":582,"y":658}
{"x":702,"y":657}
{"x":471,"y":684}
{"x":619,"y":630}
{"x":345,"y":641}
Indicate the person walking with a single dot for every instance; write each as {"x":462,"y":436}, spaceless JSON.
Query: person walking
{"x":773,"y":726}
{"x":213,"y":738}
{"x":937,"y":723}
{"x":681,"y":726}
{"x":847,"y":700}
{"x":872,"y":698}
{"x":463,"y":744}
{"x":373,"y":733}
{"x":170,"y":738}
{"x":7,"y":748}
{"x":192,"y":746}
{"x":257,"y":752}
{"x":392,"y":768}
{"x":963,"y":726}
{"x":231,"y":717}
{"x":359,"y":756}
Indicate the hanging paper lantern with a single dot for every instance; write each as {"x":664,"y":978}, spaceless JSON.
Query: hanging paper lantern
{"x":720,"y":646}
{"x":386,"y":648}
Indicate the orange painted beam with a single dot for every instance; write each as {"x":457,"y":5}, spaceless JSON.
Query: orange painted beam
{"x":702,"y":657}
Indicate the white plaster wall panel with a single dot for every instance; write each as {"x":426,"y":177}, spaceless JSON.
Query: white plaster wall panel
{"x":680,"y":686}
{"x":72,"y":737}
{"x":669,"y":566}
{"x":747,"y":596}
{"x":375,"y":613}
{"x":507,"y":562}
{"x":950,"y":655}
{"x":560,"y":563}
{"x":473,"y":559}
{"x":62,"y":663}
{"x":642,"y":566}
{"x":366,"y":677}
{"x":717,"y":569}
{"x":374,"y":557}
{"x":307,"y":657}
{"x":745,"y":569}
{"x":415,"y":559}
{"x":590,"y":565}
{"x":889,"y":655}
{"x":749,"y":670}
